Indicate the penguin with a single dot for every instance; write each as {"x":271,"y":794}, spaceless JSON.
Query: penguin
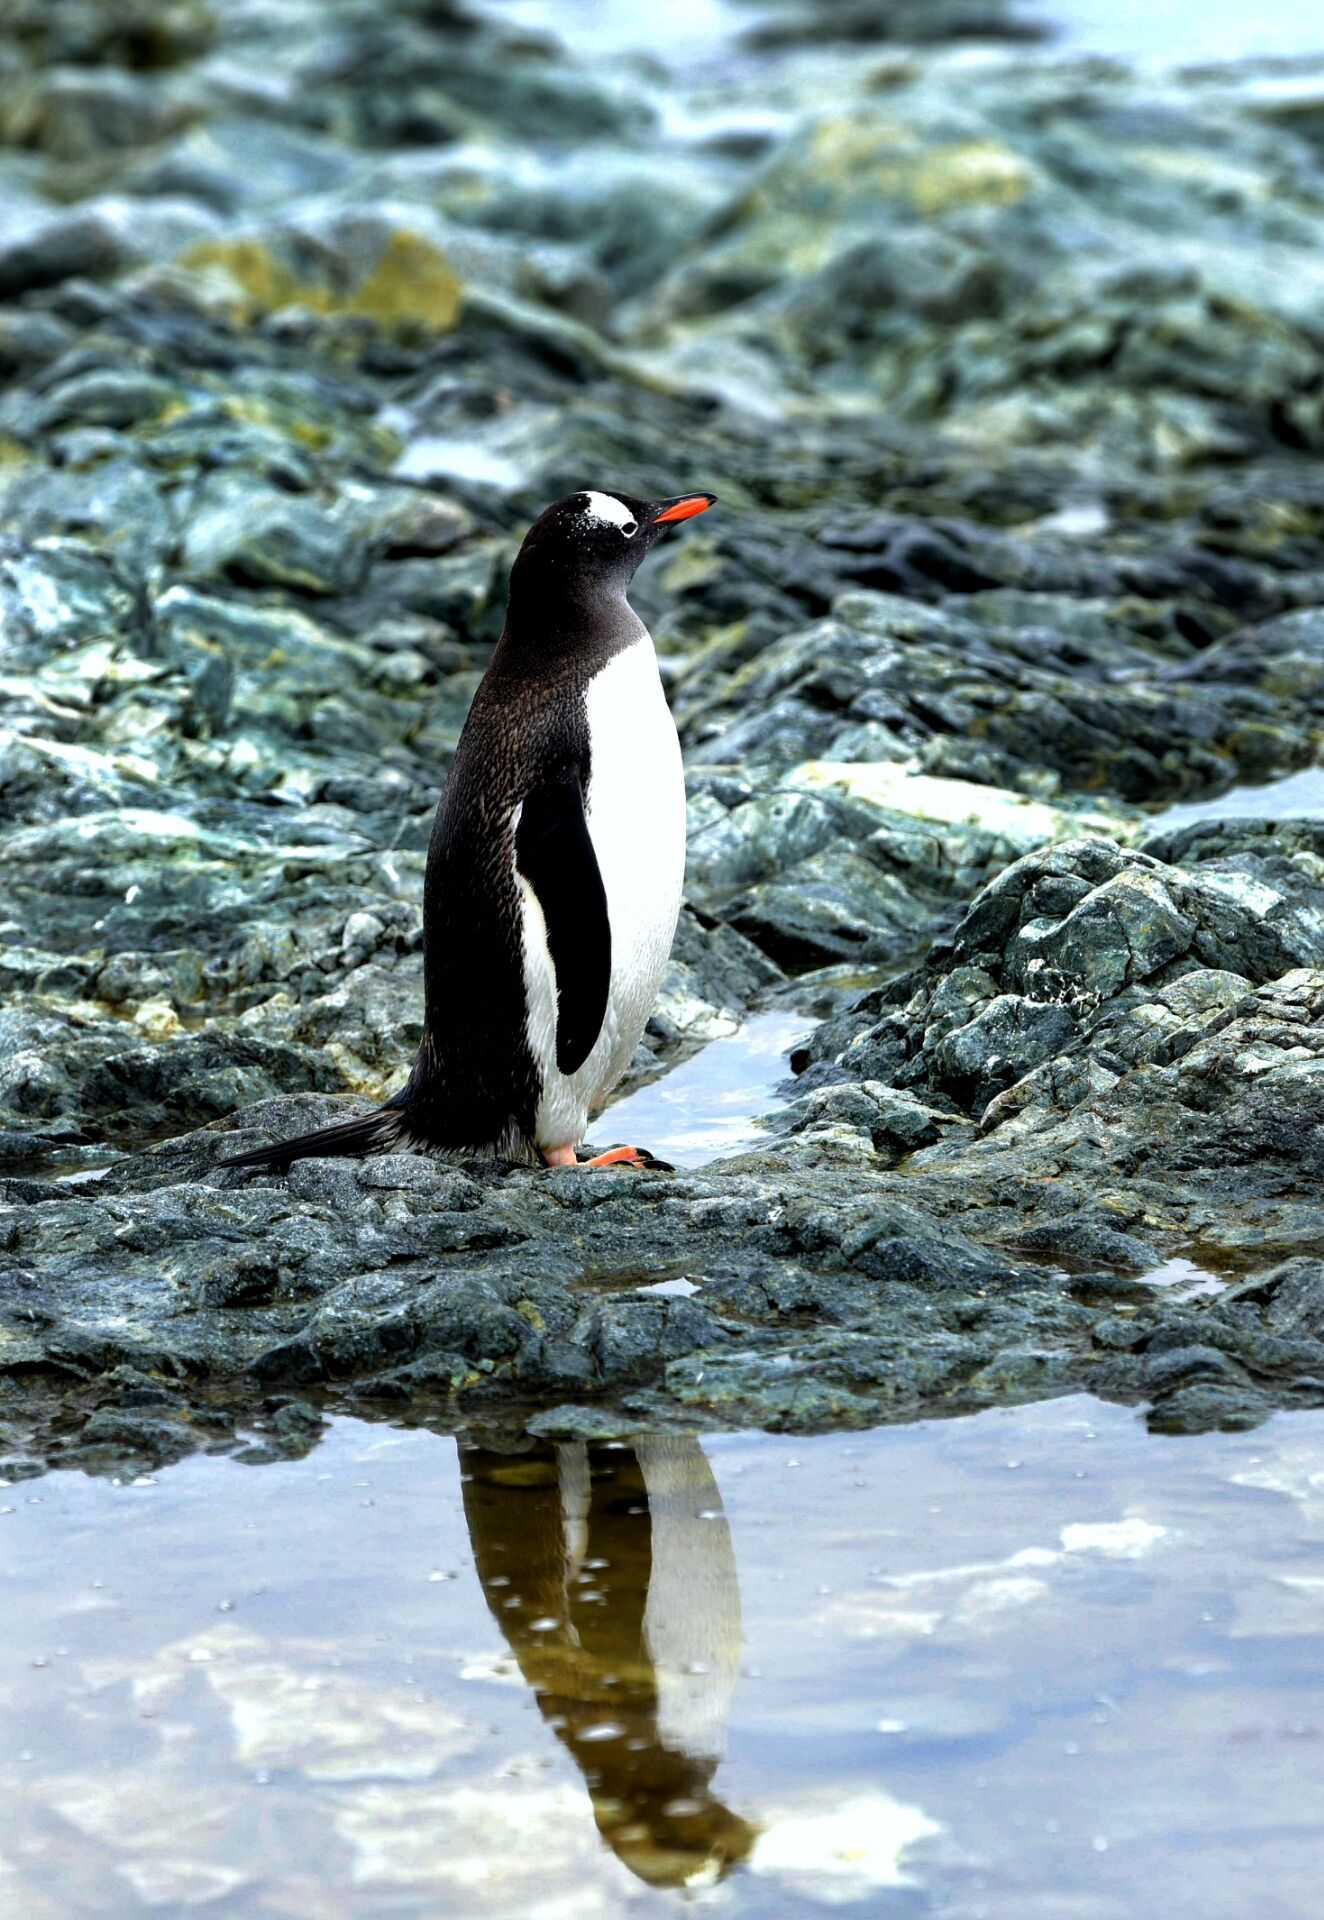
{"x":555,"y":868}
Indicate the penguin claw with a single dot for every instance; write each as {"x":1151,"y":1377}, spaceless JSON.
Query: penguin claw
{"x":638,"y":1157}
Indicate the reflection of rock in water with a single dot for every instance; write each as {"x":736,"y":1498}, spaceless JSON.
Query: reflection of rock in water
{"x":620,"y":1602}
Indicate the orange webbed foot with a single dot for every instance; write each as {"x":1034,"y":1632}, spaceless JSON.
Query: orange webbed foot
{"x":638,"y":1157}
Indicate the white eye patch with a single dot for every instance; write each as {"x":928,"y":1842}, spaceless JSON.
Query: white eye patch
{"x":614,"y":513}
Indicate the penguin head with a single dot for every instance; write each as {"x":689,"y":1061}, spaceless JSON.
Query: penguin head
{"x":592,"y":542}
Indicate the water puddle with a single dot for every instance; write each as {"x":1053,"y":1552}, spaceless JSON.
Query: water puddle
{"x":83,"y":1176}
{"x":976,"y":1669}
{"x":67,"y":1166}
{"x":1296,"y":796}
{"x":709,"y":1105}
{"x":1184,"y":1278}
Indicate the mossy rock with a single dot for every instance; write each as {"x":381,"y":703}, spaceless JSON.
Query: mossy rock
{"x":410,"y":284}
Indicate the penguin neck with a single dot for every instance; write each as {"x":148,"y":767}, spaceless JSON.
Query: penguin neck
{"x":551,"y":621}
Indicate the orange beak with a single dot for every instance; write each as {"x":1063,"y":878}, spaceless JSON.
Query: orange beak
{"x":685,"y":508}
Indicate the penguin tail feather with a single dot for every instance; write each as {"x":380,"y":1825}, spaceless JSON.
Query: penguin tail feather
{"x":378,"y":1132}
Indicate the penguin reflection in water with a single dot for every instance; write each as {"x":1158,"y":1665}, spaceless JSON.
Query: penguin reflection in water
{"x":555,"y":869}
{"x":610,"y":1572}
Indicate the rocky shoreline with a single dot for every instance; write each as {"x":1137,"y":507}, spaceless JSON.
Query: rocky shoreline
{"x":1007,"y":370}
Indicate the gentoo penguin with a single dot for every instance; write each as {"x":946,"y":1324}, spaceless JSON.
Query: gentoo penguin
{"x":555,"y":868}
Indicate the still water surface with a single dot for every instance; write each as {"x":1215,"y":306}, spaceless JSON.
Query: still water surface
{"x":1029,"y":1664}
{"x":710,"y":1104}
{"x":1296,"y":796}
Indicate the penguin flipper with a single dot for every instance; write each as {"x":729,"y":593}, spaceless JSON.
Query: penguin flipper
{"x":555,"y":855}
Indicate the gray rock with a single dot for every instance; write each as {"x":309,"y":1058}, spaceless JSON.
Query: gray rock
{"x":1001,"y":1044}
{"x":892,"y":1122}
{"x":58,"y":247}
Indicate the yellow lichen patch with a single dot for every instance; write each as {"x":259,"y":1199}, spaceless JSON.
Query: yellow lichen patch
{"x":259,"y":413}
{"x":158,"y":1019}
{"x":310,"y":435}
{"x":975,"y":172}
{"x":252,"y":267}
{"x":695,"y":564}
{"x":853,"y":148}
{"x":359,"y":1075}
{"x":853,"y":157}
{"x":411,"y":282}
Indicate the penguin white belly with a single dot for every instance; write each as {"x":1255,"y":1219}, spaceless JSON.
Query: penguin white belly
{"x":635,"y":813}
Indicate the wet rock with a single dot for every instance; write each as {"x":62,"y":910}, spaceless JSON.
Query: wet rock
{"x":400,"y":1271}
{"x":995,"y":696}
{"x":104,"y":399}
{"x":1289,"y":1297}
{"x":96,"y":241}
{"x":892,"y":1122}
{"x":1177,"y":1088}
{"x":1076,"y":933}
{"x":834,"y":906}
{"x":1004,"y":1040}
{"x":57,"y":247}
{"x":1208,"y":1408}
{"x":869,"y":21}
{"x":76,"y":114}
{"x":139,"y":34}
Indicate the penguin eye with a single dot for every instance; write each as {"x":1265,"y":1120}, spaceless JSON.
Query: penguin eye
{"x":629,"y":528}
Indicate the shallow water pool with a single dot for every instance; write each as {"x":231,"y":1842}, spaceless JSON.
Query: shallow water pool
{"x":1033,"y":1663}
{"x":1295,"y":796}
{"x":710,"y":1104}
